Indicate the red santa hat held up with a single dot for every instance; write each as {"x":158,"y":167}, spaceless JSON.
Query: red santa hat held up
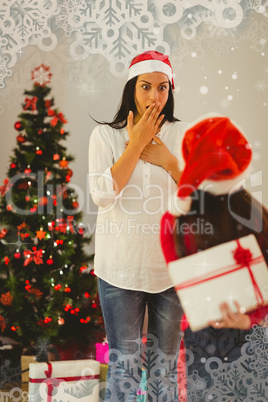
{"x":149,"y":62}
{"x":217,"y":158}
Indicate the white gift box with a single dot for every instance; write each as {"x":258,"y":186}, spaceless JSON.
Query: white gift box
{"x":64,"y":381}
{"x":235,"y":270}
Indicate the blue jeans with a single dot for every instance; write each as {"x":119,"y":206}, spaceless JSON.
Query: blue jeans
{"x":123,"y":312}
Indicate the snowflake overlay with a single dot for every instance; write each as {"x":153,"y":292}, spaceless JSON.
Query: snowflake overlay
{"x":117,"y":29}
{"x":245,"y":379}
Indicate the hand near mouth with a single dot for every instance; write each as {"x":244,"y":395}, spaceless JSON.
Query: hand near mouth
{"x":147,"y":127}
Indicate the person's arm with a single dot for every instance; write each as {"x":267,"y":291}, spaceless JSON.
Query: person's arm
{"x":140,"y":135}
{"x":107,"y":178}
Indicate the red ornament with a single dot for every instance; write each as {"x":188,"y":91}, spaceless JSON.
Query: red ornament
{"x":27,"y":198}
{"x":63,"y":164}
{"x":43,"y":201}
{"x":50,"y":261}
{"x":39,"y":152}
{"x":33,"y":210}
{"x":51,"y":225}
{"x":75,"y":204}
{"x":39,"y":132}
{"x":84,"y":268}
{"x":70,"y":172}
{"x":7,"y":260}
{"x":67,"y":307}
{"x":3,"y":233}
{"x":56,"y":157}
{"x":27,"y":170}
{"x":17,"y":255}
{"x":57,"y":287}
{"x":62,"y":131}
{"x":68,"y":178}
{"x":21,"y":138}
{"x":18,"y":125}
{"x":67,"y":290}
{"x":9,"y":207}
{"x":13,"y":165}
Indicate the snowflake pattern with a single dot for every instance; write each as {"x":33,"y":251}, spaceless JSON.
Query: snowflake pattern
{"x":119,"y":29}
{"x":261,"y":86}
{"x":4,"y":71}
{"x":244,"y":379}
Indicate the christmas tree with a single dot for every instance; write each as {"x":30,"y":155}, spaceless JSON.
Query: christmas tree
{"x":48,"y":293}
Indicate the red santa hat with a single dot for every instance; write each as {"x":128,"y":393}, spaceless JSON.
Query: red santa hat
{"x":217,"y":158}
{"x":149,"y":62}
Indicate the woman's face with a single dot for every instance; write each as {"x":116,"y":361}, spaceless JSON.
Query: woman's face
{"x":150,"y":88}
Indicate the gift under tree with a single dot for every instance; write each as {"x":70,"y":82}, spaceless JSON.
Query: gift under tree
{"x":48,"y":292}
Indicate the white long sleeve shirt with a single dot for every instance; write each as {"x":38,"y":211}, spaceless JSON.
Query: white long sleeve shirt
{"x":128,"y":253}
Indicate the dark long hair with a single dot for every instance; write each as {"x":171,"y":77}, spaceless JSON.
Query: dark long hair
{"x":226,"y":217}
{"x":128,"y":103}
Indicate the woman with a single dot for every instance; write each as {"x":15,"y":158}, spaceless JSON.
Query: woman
{"x":217,"y":158}
{"x":133,"y":169}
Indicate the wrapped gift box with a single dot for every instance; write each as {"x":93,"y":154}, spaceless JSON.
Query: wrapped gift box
{"x":102,"y":352}
{"x":64,"y":381}
{"x":235,"y":270}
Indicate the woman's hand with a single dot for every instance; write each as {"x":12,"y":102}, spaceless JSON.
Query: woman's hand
{"x":230,"y":319}
{"x":157,"y":154}
{"x":142,"y":132}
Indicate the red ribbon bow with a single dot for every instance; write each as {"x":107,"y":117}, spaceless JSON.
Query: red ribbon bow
{"x":30,"y":103}
{"x":5,"y":187}
{"x":57,"y":116}
{"x":63,"y":224}
{"x":35,"y":256}
{"x":243,"y":257}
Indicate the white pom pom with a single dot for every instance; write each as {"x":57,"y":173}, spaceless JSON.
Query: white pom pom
{"x":179,"y":206}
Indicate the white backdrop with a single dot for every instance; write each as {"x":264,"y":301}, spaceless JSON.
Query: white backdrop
{"x":218,"y":51}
